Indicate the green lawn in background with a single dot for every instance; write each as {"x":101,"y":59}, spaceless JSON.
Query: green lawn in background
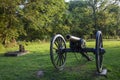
{"x":25,"y":67}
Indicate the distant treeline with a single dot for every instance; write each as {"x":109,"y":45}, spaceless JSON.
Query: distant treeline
{"x":41,"y":19}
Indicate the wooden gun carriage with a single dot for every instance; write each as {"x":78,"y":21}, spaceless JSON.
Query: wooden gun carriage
{"x":58,"y":50}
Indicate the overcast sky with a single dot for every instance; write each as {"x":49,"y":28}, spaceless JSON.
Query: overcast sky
{"x":67,"y":0}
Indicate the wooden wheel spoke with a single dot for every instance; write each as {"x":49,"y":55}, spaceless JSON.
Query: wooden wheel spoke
{"x":60,"y":42}
{"x":63,"y":59}
{"x":54,"y":48}
{"x":55,"y":51}
{"x":57,"y":56}
{"x":56,"y":44}
{"x":57,"y":40}
{"x":58,"y":60}
{"x":63,"y":56}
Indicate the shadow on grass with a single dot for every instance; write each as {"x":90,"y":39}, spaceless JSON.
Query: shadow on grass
{"x":27,"y":66}
{"x":72,"y":73}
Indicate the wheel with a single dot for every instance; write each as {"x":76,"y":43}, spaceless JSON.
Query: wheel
{"x":98,"y":54}
{"x":57,"y":55}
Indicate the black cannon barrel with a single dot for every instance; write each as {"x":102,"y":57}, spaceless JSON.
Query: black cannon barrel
{"x":69,"y":37}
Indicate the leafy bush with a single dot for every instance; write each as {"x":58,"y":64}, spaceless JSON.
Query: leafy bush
{"x":2,"y":48}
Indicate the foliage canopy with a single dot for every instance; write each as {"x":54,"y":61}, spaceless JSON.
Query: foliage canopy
{"x":40,"y":19}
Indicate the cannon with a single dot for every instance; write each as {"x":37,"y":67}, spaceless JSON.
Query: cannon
{"x":58,"y":50}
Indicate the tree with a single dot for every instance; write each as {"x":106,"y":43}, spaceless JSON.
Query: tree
{"x":102,"y":17}
{"x":113,"y":21}
{"x":43,"y":18}
{"x":36,"y":19}
{"x":94,"y":15}
{"x":10,"y":25}
{"x":79,"y":19}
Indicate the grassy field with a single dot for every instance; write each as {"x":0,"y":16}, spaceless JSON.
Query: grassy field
{"x":26,"y":67}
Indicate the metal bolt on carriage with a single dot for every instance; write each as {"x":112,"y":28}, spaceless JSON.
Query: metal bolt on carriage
{"x":58,"y":50}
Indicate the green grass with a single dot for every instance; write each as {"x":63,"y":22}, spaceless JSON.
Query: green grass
{"x":25,"y":67}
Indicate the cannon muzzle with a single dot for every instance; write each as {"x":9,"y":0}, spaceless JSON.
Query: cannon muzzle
{"x":73,"y":38}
